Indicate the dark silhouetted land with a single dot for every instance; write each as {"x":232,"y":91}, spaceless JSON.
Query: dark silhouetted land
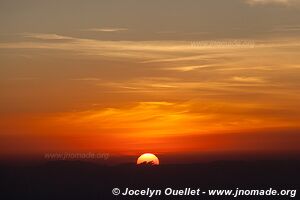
{"x":87,"y":181}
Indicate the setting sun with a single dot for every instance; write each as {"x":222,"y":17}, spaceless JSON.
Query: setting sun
{"x":148,"y":158}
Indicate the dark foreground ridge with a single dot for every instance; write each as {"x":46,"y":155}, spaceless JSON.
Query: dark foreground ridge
{"x":87,"y":181}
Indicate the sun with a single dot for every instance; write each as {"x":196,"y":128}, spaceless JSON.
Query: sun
{"x":147,"y":159}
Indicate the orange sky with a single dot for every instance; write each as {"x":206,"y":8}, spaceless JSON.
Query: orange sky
{"x":187,"y":82}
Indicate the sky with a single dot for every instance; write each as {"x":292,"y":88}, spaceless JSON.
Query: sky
{"x":133,"y":76}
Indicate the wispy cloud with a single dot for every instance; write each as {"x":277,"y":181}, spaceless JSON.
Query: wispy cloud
{"x":43,"y":36}
{"x":248,"y":79}
{"x":106,"y":29}
{"x":165,"y":118}
{"x":188,"y":68}
{"x":85,"y":79}
{"x":141,"y":51}
{"x":264,"y":2}
{"x":220,"y":69}
{"x":145,"y":119}
{"x":230,"y":86}
{"x":286,"y":29}
{"x":22,"y":78}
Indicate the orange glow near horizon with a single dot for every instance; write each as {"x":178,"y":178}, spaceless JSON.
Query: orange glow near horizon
{"x":166,"y":128}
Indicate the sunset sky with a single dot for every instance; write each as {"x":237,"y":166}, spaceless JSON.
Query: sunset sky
{"x":131,"y":76}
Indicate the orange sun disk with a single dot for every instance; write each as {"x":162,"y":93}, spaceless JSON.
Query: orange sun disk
{"x":148,"y":159}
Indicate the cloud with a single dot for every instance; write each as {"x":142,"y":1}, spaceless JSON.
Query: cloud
{"x":143,"y":51}
{"x":248,"y":79}
{"x":106,"y":29}
{"x":23,"y":78}
{"x":85,"y":79}
{"x":43,"y":36}
{"x":264,"y":2}
{"x":286,"y":29}
{"x":188,"y":68}
{"x":167,"y":118}
{"x":211,"y":86}
{"x":156,"y":118}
